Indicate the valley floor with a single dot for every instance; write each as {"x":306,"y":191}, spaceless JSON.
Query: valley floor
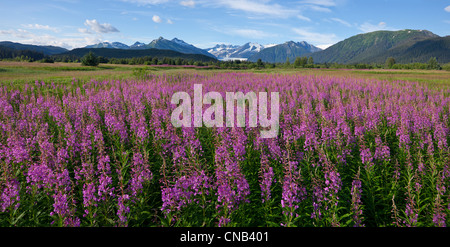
{"x":18,"y":72}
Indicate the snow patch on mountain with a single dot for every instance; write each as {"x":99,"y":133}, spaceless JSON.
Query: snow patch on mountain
{"x":237,"y":52}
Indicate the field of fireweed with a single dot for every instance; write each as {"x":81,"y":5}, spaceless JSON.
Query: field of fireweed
{"x":349,"y":152}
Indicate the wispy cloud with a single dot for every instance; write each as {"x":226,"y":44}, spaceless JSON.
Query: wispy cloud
{"x":318,"y":8}
{"x":265,"y":8}
{"x":137,"y":12}
{"x":447,"y":8}
{"x":256,"y":7}
{"x":84,"y":30}
{"x":146,"y":2}
{"x":157,"y":19}
{"x":302,"y":17}
{"x":367,"y":27}
{"x":27,"y":37}
{"x":318,"y":5}
{"x":341,"y":22}
{"x":315,"y":37}
{"x":100,"y":28}
{"x":328,"y":3}
{"x":62,"y":8}
{"x":188,"y":3}
{"x":18,"y":33}
{"x":40,"y":27}
{"x":67,"y":1}
{"x":250,"y":33}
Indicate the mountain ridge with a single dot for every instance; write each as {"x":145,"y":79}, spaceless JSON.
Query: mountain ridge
{"x":230,"y":52}
{"x":160,"y":43}
{"x":373,"y":47}
{"x":280,"y":53}
{"x":45,"y":49}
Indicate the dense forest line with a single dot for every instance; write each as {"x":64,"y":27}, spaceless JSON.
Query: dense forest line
{"x":11,"y":54}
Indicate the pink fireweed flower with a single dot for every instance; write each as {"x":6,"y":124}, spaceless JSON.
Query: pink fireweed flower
{"x":140,"y":173}
{"x":123,"y":210}
{"x":116,"y":126}
{"x":105,"y":182}
{"x":356,"y":192}
{"x":366,"y":155}
{"x":266,"y":178}
{"x":10,"y":198}
{"x":41,"y":176}
{"x":293,"y":192}
{"x":232,"y":187}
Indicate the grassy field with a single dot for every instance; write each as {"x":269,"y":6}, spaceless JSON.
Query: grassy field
{"x":19,"y":72}
{"x":24,"y":71}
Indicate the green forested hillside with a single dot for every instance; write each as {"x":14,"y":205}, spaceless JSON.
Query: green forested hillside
{"x":421,"y":51}
{"x":375,"y":47}
{"x":10,"y":53}
{"x":46,"y":50}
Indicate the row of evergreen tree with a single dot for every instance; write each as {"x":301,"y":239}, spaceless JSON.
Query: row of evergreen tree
{"x":91,"y":59}
{"x":300,"y":62}
{"x":21,"y":55}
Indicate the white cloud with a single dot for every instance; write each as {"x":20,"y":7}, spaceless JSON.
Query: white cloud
{"x":318,"y":5}
{"x":250,"y":33}
{"x":67,"y":41}
{"x":257,"y":7}
{"x":100,"y":28}
{"x":145,"y":2}
{"x":325,"y":46}
{"x":318,"y":8}
{"x":327,"y":3}
{"x":40,"y":27}
{"x":157,"y":19}
{"x":314,"y":37}
{"x":84,"y":30}
{"x":447,"y":8}
{"x":169,"y":21}
{"x":301,"y":17}
{"x":341,"y":22}
{"x":188,"y":3}
{"x":19,"y":33}
{"x":367,"y":27}
{"x":242,"y":32}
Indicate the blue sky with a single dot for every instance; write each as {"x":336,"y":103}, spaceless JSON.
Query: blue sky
{"x":77,"y":23}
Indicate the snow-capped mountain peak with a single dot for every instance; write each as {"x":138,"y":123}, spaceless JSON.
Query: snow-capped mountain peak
{"x":107,"y":44}
{"x":241,"y":52}
{"x":137,"y":44}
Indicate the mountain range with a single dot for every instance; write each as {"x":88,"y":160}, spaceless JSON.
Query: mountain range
{"x":233,"y":52}
{"x":280,"y":53}
{"x":161,"y":43}
{"x":405,"y":46}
